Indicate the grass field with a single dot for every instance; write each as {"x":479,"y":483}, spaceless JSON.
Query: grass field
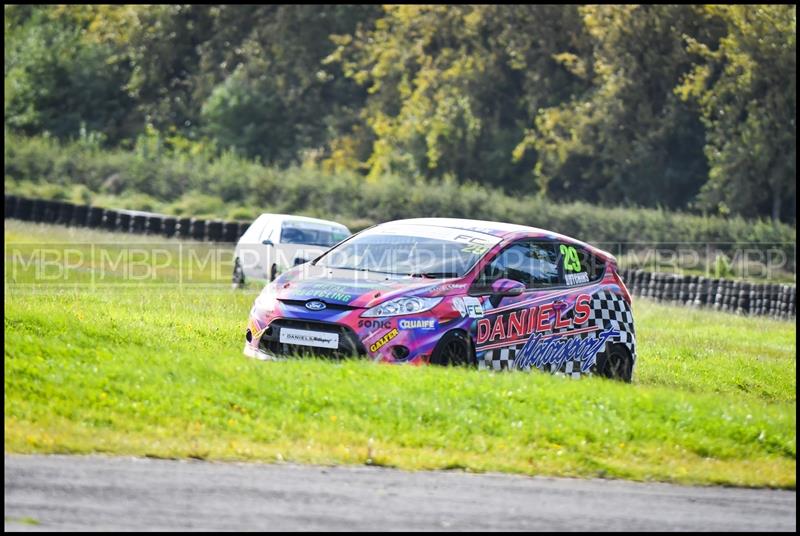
{"x":102,"y":357}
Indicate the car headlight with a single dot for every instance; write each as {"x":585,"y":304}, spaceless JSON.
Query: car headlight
{"x":265,"y":303}
{"x":402,"y":306}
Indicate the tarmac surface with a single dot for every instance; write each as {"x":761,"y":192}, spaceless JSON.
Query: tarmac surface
{"x":119,"y":493}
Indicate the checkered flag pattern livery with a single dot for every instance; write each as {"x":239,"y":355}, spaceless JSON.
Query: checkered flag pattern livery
{"x":609,"y":311}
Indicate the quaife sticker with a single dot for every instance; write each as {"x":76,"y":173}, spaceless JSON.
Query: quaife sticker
{"x":418,"y":323}
{"x":380,"y":343}
{"x":577,"y":279}
{"x":468,"y":306}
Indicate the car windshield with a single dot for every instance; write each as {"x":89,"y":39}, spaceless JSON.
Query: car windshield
{"x":432,"y":253}
{"x":313,"y":235}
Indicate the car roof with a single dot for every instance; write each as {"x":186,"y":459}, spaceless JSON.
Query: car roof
{"x":481,"y":226}
{"x":300,"y":219}
{"x":502,"y":230}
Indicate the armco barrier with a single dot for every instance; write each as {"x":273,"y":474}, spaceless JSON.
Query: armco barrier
{"x":739,"y":297}
{"x":126,"y":221}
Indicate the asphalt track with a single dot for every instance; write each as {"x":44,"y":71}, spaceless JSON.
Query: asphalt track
{"x":102,"y":493}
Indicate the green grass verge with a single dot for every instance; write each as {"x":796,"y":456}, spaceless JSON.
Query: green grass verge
{"x":157,"y":370}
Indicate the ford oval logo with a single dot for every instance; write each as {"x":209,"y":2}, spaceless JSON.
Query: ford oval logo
{"x":315,"y":305}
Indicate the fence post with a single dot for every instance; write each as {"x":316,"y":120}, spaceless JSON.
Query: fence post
{"x":214,"y":229}
{"x":50,"y":211}
{"x":124,"y":222}
{"x":154,"y":224}
{"x":111,"y":220}
{"x":11,"y":207}
{"x":24,"y":209}
{"x":184,"y":227}
{"x":743,"y":304}
{"x":66,"y":213}
{"x":38,"y":210}
{"x":230,"y":231}
{"x":170,"y":226}
{"x":94,"y":218}
{"x":198,"y":229}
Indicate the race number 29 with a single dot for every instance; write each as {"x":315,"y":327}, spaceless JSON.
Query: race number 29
{"x":571,"y":261}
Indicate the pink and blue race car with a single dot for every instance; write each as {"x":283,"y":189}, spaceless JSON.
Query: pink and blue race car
{"x":453,"y":292}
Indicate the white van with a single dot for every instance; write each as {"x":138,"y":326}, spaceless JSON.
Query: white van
{"x":275,"y":243}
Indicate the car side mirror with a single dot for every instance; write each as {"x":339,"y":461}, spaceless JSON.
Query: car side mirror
{"x":499,"y":289}
{"x":267,"y":242}
{"x":507,"y":287}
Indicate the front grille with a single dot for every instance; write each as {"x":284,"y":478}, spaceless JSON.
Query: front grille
{"x":349,"y":344}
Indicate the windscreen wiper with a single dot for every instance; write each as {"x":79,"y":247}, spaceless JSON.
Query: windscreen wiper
{"x":436,"y":275}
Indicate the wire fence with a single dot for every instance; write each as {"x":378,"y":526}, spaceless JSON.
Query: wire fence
{"x":740,"y":297}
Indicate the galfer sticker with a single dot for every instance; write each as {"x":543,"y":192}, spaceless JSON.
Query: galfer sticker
{"x":577,"y":279}
{"x":468,"y":307}
{"x":377,"y":345}
{"x":418,"y":323}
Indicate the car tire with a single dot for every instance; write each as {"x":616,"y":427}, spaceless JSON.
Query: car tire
{"x":454,"y":349}
{"x":615,"y":363}
{"x":273,"y":272}
{"x":238,"y":275}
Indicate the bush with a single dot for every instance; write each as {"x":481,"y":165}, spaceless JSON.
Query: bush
{"x":230,"y":186}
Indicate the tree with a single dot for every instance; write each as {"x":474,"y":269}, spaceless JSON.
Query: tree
{"x":58,"y":80}
{"x":746,"y":88}
{"x":273,"y":97}
{"x":625,"y":137}
{"x":451,"y":88}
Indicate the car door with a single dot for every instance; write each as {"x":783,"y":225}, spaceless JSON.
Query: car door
{"x":509,"y":322}
{"x":253,"y":253}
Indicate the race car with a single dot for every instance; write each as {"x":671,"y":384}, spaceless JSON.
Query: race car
{"x":276,"y":242}
{"x":446,"y":291}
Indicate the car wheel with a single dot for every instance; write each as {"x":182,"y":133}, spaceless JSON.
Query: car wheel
{"x":238,"y":275}
{"x":616,"y":364}
{"x":454,"y":349}
{"x":273,"y":273}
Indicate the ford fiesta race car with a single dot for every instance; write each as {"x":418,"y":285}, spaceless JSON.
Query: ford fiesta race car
{"x":448,"y":292}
